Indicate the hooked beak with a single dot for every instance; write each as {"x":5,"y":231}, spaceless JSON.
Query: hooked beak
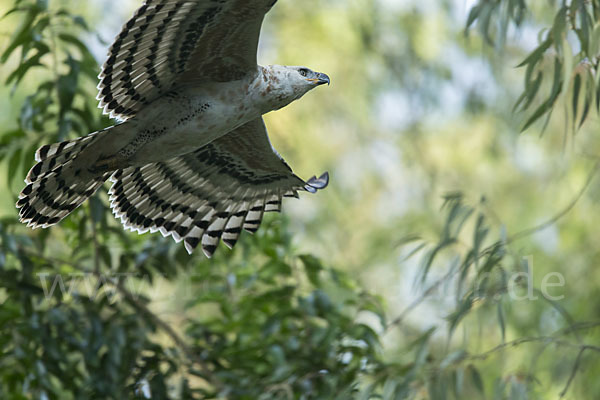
{"x":321,"y":79}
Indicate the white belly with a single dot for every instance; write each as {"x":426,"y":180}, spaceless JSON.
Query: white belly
{"x":178,"y":124}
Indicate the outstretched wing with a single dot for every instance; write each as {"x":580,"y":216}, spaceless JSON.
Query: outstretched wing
{"x":170,"y":42}
{"x":210,"y":194}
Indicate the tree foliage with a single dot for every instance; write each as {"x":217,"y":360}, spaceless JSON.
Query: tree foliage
{"x":564,"y":64}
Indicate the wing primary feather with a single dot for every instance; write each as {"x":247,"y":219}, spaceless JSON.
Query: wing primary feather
{"x":209,"y":195}
{"x":167,"y":42}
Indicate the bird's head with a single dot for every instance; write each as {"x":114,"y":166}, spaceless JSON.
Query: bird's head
{"x":304,"y":79}
{"x":284,"y":84}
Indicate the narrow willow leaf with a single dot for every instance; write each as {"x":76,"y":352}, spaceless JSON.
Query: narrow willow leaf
{"x":532,"y":91}
{"x":39,"y":27}
{"x":536,"y":55}
{"x":547,"y":119}
{"x":585,"y":27}
{"x":494,"y":255}
{"x":473,"y":15}
{"x":597,"y":91}
{"x":476,"y":378}
{"x":18,"y":74}
{"x":501,"y":320}
{"x":479,"y":235}
{"x":575,"y":94}
{"x":487,"y":10}
{"x":595,"y":42}
{"x":541,"y":110}
{"x":22,"y":34}
{"x":559,"y":27}
{"x":462,"y":311}
{"x":8,"y":138}
{"x":547,"y":105}
{"x":422,"y":347}
{"x":429,"y":257}
{"x":72,"y":39}
{"x":590,"y":90}
{"x":567,"y":61}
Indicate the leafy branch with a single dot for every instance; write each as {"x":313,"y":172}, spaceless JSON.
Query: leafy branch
{"x":552,"y":70}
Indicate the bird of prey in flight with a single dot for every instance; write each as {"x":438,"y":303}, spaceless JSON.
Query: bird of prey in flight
{"x":190,"y":156}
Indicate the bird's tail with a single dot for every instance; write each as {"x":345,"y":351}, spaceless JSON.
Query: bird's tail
{"x":59,"y":182}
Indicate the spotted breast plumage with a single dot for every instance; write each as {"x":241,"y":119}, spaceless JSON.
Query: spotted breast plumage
{"x":190,"y":156}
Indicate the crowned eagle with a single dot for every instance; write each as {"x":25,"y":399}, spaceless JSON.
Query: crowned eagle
{"x":189,"y":156}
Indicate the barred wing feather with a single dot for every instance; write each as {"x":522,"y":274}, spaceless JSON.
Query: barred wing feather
{"x":210,"y":194}
{"x":172,"y":42}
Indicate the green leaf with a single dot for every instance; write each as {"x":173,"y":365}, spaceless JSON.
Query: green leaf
{"x":536,"y":55}
{"x":547,"y":105}
{"x":463,"y":309}
{"x":473,"y":14}
{"x":559,"y":28}
{"x":313,"y":267}
{"x":590,"y":92}
{"x":422,"y":347}
{"x":594,"y":50}
{"x":586,"y":23}
{"x":575,"y":95}
{"x":568,"y":60}
{"x":531,"y":90}
{"x":476,"y":378}
{"x":34,"y":61}
{"x":22,"y":34}
{"x":501,"y":320}
{"x":74,"y":40}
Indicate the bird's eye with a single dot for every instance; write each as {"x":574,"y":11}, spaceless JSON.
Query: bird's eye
{"x":303,"y":72}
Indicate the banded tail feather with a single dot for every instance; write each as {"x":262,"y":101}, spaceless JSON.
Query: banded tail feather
{"x":58,"y":183}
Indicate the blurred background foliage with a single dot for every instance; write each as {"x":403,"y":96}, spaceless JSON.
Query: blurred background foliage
{"x":461,"y":138}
